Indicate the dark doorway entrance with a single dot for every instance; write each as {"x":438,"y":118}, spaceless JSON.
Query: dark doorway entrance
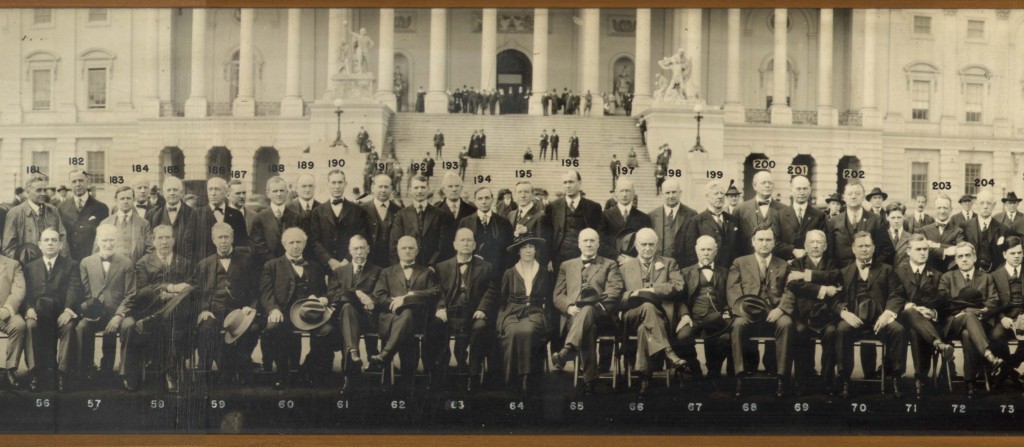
{"x":515,"y":77}
{"x":848,"y":171}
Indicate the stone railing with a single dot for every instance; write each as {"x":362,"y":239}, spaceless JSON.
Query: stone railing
{"x":850,"y":118}
{"x":758,"y":116}
{"x":172,"y":109}
{"x":805,"y":117}
{"x":218,"y":109}
{"x":305,"y":107}
{"x":268,"y":109}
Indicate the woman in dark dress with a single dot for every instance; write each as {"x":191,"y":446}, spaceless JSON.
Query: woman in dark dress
{"x":524,"y":289}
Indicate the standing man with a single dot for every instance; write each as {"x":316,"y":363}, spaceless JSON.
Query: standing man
{"x":543,"y":143}
{"x":438,"y":142}
{"x":217,"y":211}
{"x":943,"y":236}
{"x":26,"y":222}
{"x":350,"y":291}
{"x":456,"y":208}
{"x":529,"y":217}
{"x":52,"y":283}
{"x":492,"y":233}
{"x":588,"y":291}
{"x":134,"y":238}
{"x":334,"y":223}
{"x":463,"y":162}
{"x":713,"y":221}
{"x":142,"y":190}
{"x":985,"y":233}
{"x":758,"y":212}
{"x":237,"y":199}
{"x":176,"y":214}
{"x":899,"y":237}
{"x":614,"y":165}
{"x":1010,"y":218}
{"x":732,"y":198}
{"x":269,"y":224}
{"x":554,"y":144}
{"x":966,"y":213}
{"x":918,"y":219}
{"x":82,"y":213}
{"x":574,"y":146}
{"x":425,"y":223}
{"x":877,"y":199}
{"x":305,"y":203}
{"x":380,"y":217}
{"x":842,"y":228}
{"x":622,"y":216}
{"x":796,"y":220}
{"x":570,"y":215}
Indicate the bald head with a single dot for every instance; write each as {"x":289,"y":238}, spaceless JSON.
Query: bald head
{"x":985,"y":203}
{"x":646,"y":244}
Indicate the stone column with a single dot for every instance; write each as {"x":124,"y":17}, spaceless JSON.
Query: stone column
{"x":828,"y":116}
{"x":151,"y":104}
{"x":591,"y":58}
{"x":1004,"y":115}
{"x":869,"y":110}
{"x":292,"y":104}
{"x":245,"y":103}
{"x":336,"y":32}
{"x":489,"y":49}
{"x":437,"y":97}
{"x":540,"y":60}
{"x":386,"y":60}
{"x":781,"y":112}
{"x":734,"y":112}
{"x":642,"y":76}
{"x":694,"y":35}
{"x":195,"y":105}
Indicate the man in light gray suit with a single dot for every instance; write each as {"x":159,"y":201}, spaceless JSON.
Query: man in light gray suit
{"x":12,"y":323}
{"x":134,"y":238}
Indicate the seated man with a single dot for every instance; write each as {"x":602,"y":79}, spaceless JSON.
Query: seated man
{"x":466,"y":309}
{"x":350,"y":289}
{"x":52,"y":283}
{"x":703,"y":310}
{"x":921,"y":311}
{"x":12,"y":294}
{"x":966,"y":324}
{"x":227,"y":281}
{"x":649,"y":282}
{"x":107,"y":279}
{"x":404,"y":292}
{"x":587,"y":293}
{"x":871,"y":292}
{"x":161,"y":325}
{"x":763,"y":275}
{"x":286,"y":280}
{"x":1009,"y":287}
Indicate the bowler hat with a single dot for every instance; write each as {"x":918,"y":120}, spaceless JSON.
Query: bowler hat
{"x":966,"y":198}
{"x":876,"y":191}
{"x":1011,"y":197}
{"x":309,"y":314}
{"x":92,"y":309}
{"x":63,"y":188}
{"x":835,"y":197}
{"x":589,"y":295}
{"x":237,"y":322}
{"x":752,"y":307}
{"x":165,"y":307}
{"x":644,"y":296}
{"x":969,"y":297}
{"x":732,"y":191}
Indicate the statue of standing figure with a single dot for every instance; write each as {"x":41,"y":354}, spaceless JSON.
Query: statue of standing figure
{"x":681,"y":69}
{"x":361,"y":45}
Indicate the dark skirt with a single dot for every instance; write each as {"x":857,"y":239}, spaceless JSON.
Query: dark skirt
{"x":522,"y":331}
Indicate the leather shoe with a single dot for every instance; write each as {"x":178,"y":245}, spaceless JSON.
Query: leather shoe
{"x":918,"y":389}
{"x":844,"y":393}
{"x":33,"y":386}
{"x":172,"y":383}
{"x":970,"y":390}
{"x":354,"y":362}
{"x":472,"y":384}
{"x":781,"y":391}
{"x":945,"y":350}
{"x":61,"y":382}
{"x":739,"y":387}
{"x":645,"y":384}
{"x":12,"y":379}
{"x":128,"y":386}
{"x":896,"y":388}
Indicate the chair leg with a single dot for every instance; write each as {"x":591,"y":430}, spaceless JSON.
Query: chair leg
{"x":615,"y":365}
{"x":883,"y":369}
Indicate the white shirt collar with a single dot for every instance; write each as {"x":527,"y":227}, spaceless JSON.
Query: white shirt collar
{"x":276,"y":209}
{"x":625,"y":209}
{"x":380,"y":204}
{"x":33,"y":205}
{"x":918,"y":268}
{"x":305,"y":203}
{"x":815,"y":261}
{"x":213,"y":206}
{"x":50,"y":261}
{"x":484,"y":215}
{"x":984,"y":221}
{"x":1010,"y":269}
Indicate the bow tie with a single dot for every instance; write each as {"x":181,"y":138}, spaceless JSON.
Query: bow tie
{"x":219,"y":210}
{"x":587,"y":262}
{"x":220,"y":256}
{"x":864,"y":265}
{"x":706,"y":267}
{"x":299,"y":262}
{"x":142,"y":205}
{"x":172,"y":209}
{"x":105,"y":258}
{"x":407,"y":266}
{"x":764,"y":203}
{"x":337,"y":201}
{"x":463,"y":264}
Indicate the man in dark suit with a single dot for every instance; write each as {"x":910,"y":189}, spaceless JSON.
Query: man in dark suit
{"x":966,"y":325}
{"x":966,"y":213}
{"x":438,"y":142}
{"x":622,"y":216}
{"x":796,"y":220}
{"x":269,"y":224}
{"x":985,"y":233}
{"x":943,"y":236}
{"x":404,"y":293}
{"x":493,"y":233}
{"x":569,"y":216}
{"x":588,"y":292}
{"x":922,"y":310}
{"x":334,"y":222}
{"x":763,"y":275}
{"x":918,"y":219}
{"x":304,"y":204}
{"x":554,"y":144}
{"x":453,"y":205}
{"x":868,"y":279}
{"x":703,"y":310}
{"x":226,"y":280}
{"x":426,"y":223}
{"x":812,"y":284}
{"x":217,"y":211}
{"x":107,"y":279}
{"x":163,"y":335}
{"x":898,"y":236}
{"x":529,"y":217}
{"x":52,"y":282}
{"x":1010,"y":288}
{"x":350,"y":291}
{"x":844,"y":226}
{"x":81,"y":214}
{"x":237,"y":194}
{"x":177,"y":215}
{"x":713,"y":222}
{"x":760,"y":211}
{"x":1009,"y":217}
{"x":284,"y":281}
{"x":543,"y":143}
{"x":26,"y":221}
{"x":380,"y":217}
{"x":649,"y":281}
{"x":467,"y":309}
{"x":574,"y":145}
{"x":134,"y":236}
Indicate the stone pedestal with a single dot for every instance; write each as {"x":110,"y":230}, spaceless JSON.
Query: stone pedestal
{"x":676,"y":126}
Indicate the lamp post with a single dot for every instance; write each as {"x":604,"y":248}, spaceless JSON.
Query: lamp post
{"x":699,"y":107}
{"x":337,"y":112}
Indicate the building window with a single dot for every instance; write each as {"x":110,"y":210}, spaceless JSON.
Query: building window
{"x":96,"y":166}
{"x":97,"y":15}
{"x":918,"y":178}
{"x":42,"y":89}
{"x":972,"y":172}
{"x":921,"y":99}
{"x":97,"y":88}
{"x":973,"y":94}
{"x":42,"y":17}
{"x":41,"y":160}
{"x":922,"y":25}
{"x":975,"y":29}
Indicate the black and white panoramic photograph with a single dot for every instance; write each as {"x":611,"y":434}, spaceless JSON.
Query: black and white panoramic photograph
{"x":526,"y":221}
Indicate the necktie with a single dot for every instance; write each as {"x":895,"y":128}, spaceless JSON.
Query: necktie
{"x":1015,"y":272}
{"x":967,"y":277}
{"x":984,"y":226}
{"x":309,"y":207}
{"x":588,"y":262}
{"x":942,"y":229}
{"x":718,"y":219}
{"x":357,"y":270}
{"x":763,"y":266}
{"x":419,"y":217}
{"x":81,"y":203}
{"x":864,"y":265}
{"x":671,"y":215}
{"x":917,"y":273}
{"x":572,"y":206}
{"x":219,"y":210}
{"x":49,"y":266}
{"x":277,"y":214}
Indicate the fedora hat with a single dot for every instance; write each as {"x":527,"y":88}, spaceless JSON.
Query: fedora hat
{"x":966,"y":198}
{"x":835,"y":197}
{"x":644,"y":296}
{"x":624,"y":241}
{"x":164,"y":307}
{"x":752,"y":307}
{"x":732,"y":191}
{"x":1011,"y":197}
{"x":868,"y":310}
{"x":819,"y":316}
{"x":876,"y":191}
{"x":969,"y":297}
{"x":589,"y":295}
{"x":309,"y":314}
{"x":237,"y":322}
{"x":92,"y":309}
{"x":1018,"y":327}
{"x":526,"y":238}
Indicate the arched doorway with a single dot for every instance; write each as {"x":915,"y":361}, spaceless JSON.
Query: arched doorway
{"x":218,"y":163}
{"x":172,"y":162}
{"x":622,"y":82}
{"x":848,"y":170}
{"x":515,"y":73}
{"x":261,"y":162}
{"x":753,"y":164}
{"x":403,"y":83}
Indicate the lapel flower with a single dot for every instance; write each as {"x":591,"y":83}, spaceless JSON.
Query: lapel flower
{"x":929,"y":274}
{"x":659,"y":265}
